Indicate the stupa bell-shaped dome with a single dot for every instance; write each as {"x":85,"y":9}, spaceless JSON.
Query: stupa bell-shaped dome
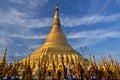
{"x":55,"y":54}
{"x":56,"y":40}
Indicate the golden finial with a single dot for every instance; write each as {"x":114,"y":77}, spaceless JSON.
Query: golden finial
{"x":56,"y":8}
{"x":5,"y":50}
{"x":56,"y":12}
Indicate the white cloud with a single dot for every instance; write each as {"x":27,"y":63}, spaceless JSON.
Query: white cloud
{"x":37,"y":2}
{"x":27,"y":37}
{"x":16,"y":17}
{"x":92,"y":37}
{"x":4,"y":42}
{"x":87,"y":20}
{"x":29,"y":3}
{"x":35,"y":46}
{"x":17,"y":1}
{"x":12,"y":16}
{"x":17,"y":55}
{"x":22,"y":34}
{"x":95,"y":34}
{"x":85,"y":42}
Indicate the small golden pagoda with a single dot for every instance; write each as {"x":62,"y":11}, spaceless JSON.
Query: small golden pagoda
{"x":55,"y":57}
{"x":3,"y":62}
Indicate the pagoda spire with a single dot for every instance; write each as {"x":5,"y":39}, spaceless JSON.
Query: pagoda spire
{"x":56,"y":35}
{"x":95,"y":65}
{"x":56,"y":21}
{"x":4,"y":57}
{"x":90,"y":63}
{"x":28,"y":71}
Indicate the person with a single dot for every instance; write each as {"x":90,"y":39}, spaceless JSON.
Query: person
{"x":65,"y":78}
{"x":69,"y":77}
{"x":86,"y":77}
{"x":103,"y":78}
{"x":73,"y":77}
{"x":48,"y":78}
{"x":1,"y":78}
{"x":17,"y":77}
{"x":107,"y":78}
{"x":8,"y":77}
{"x":94,"y":78}
{"x":5,"y":78}
{"x":12,"y":77}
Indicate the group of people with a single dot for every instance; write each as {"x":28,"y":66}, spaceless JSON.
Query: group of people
{"x":69,"y":77}
{"x":95,"y":78}
{"x":73,"y":77}
{"x":9,"y":78}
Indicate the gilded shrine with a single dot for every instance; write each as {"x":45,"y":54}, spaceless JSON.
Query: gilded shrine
{"x":57,"y":60}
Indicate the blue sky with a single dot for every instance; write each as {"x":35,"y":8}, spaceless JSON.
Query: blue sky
{"x":95,"y":24}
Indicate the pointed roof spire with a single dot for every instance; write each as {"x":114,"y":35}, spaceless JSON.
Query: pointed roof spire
{"x":29,"y":60}
{"x":111,"y":60}
{"x":94,"y":60}
{"x":56,"y":21}
{"x":83,"y":60}
{"x":56,"y":12}
{"x":95,"y":65}
{"x":4,"y":57}
{"x":90,"y":63}
{"x":56,"y":35}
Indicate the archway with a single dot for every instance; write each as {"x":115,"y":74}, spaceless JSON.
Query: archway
{"x":59,"y":75}
{"x":49,"y":73}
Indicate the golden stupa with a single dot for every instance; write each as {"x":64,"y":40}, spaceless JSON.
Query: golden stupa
{"x":55,"y":55}
{"x":57,"y":60}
